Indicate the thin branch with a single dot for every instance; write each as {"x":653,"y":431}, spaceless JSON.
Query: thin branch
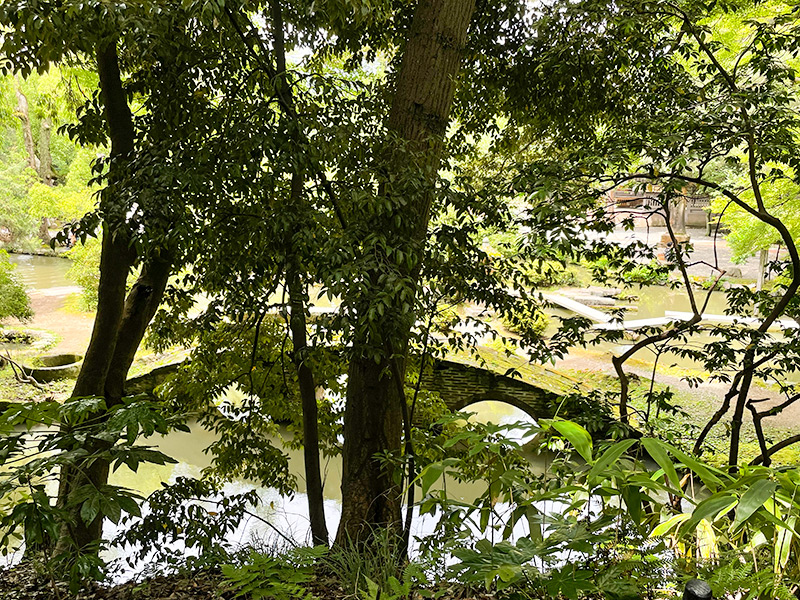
{"x":775,"y":448}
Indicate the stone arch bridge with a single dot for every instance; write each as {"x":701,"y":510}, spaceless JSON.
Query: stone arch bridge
{"x":460,"y":381}
{"x":536,"y":390}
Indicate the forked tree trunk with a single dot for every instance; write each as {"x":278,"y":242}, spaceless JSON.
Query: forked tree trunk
{"x":140,"y":307}
{"x":420,"y":111}
{"x":116,"y":259}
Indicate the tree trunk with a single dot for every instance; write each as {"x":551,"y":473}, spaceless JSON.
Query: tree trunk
{"x":297,"y":302}
{"x":678,"y":215}
{"x":140,"y":307}
{"x":371,"y":497}
{"x":116,"y":259}
{"x":116,"y":256}
{"x":27,"y":133}
{"x":308,"y":397}
{"x":44,"y":230}
{"x":420,"y":111}
{"x":45,"y":156}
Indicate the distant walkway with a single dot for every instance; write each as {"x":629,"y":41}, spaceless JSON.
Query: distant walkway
{"x":578,"y":308}
{"x":703,"y":250}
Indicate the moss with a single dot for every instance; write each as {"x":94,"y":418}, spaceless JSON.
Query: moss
{"x":12,"y":390}
{"x":544,"y":377}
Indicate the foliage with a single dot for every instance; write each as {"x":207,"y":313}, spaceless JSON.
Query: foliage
{"x":85,"y":270}
{"x":185,"y":527}
{"x":626,"y":526}
{"x":14,"y":300}
{"x":36,"y":442}
{"x":15,"y":216}
{"x":239,"y":379}
{"x":71,"y":200}
{"x":280,"y":578}
{"x":371,"y":568}
{"x":527,"y":320}
{"x":25,"y":198}
{"x":668,"y":97}
{"x":651,"y":273}
{"x":654,"y":96}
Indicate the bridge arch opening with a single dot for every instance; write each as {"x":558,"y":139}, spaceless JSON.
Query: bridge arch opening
{"x":502,"y":412}
{"x":495,"y":400}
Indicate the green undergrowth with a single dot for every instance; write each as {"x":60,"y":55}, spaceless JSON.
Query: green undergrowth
{"x":12,"y":390}
{"x":76,"y":304}
{"x":146,"y":360}
{"x":692,"y":410}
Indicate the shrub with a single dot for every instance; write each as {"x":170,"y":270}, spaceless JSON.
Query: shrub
{"x":85,"y":270}
{"x":527,"y":321}
{"x":14,"y":300}
{"x":551,"y":274}
{"x":652,"y":273}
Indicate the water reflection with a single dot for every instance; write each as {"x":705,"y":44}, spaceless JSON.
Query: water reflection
{"x":290,"y":514}
{"x":42,"y":272}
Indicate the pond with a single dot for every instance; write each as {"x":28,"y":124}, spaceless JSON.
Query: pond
{"x":289,"y":514}
{"x":653,"y":302}
{"x":42,"y":272}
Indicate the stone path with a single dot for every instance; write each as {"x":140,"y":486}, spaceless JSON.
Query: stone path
{"x":72,"y":328}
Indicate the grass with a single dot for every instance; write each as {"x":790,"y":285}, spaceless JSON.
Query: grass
{"x":12,"y":390}
{"x":76,"y":304}
{"x":146,"y":360}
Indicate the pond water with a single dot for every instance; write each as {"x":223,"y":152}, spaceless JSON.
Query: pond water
{"x":653,"y":302}
{"x":42,"y":272}
{"x":288,"y":514}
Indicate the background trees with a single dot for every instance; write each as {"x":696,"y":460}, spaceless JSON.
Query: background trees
{"x":656,"y":96}
{"x":45,"y":173}
{"x":14,"y":301}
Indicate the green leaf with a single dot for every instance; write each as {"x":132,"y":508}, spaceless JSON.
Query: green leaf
{"x":709,"y":509}
{"x":656,"y":449}
{"x":129,"y":505}
{"x":633,"y":500}
{"x":433,"y":472}
{"x":575,"y":434}
{"x":90,"y":509}
{"x":707,"y":474}
{"x":752,"y":500}
{"x":610,"y":456}
{"x":674,"y":521}
{"x":783,"y":545}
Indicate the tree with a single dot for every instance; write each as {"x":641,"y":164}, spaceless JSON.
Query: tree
{"x":375,"y":409}
{"x":656,"y":96}
{"x":139,"y":215}
{"x":299,"y":225}
{"x":381,"y":225}
{"x":38,"y":158}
